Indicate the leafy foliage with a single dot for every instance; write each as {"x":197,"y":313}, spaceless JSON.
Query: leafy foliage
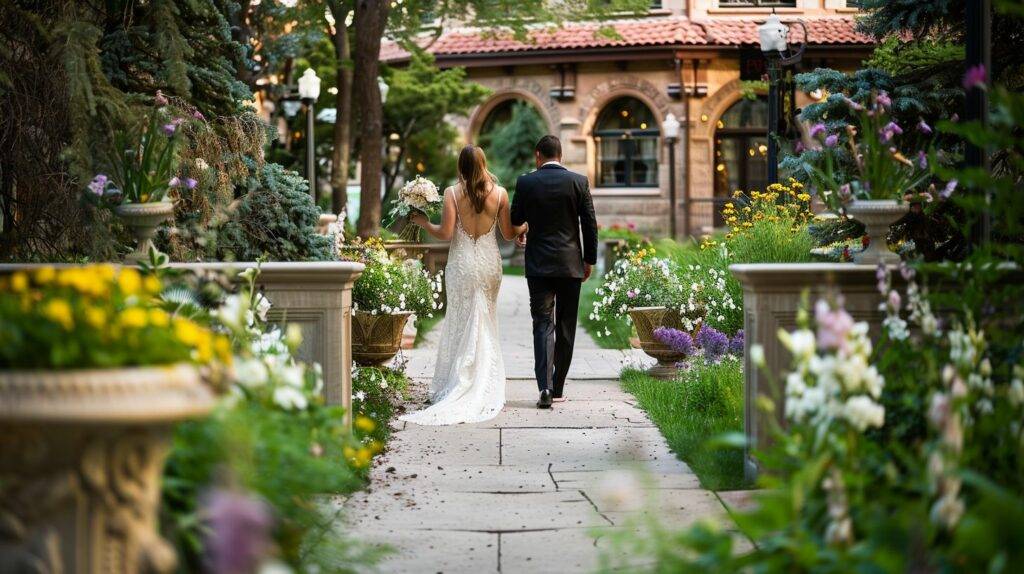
{"x":510,"y":145}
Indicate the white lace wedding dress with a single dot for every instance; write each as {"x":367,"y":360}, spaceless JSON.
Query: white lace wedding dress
{"x":469,"y":376}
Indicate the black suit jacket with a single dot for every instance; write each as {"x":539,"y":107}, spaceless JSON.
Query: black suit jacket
{"x":556,"y":203}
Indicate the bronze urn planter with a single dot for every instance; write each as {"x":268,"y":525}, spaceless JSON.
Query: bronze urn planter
{"x":376,"y":339}
{"x":646,"y":320}
{"x":81,"y":456}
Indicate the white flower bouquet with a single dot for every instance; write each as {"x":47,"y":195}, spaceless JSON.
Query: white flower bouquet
{"x":420,"y":195}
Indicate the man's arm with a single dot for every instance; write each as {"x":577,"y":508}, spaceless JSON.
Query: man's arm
{"x":518,"y":212}
{"x":588,"y":222}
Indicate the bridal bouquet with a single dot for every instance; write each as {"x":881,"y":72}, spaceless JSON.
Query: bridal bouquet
{"x":421,"y":195}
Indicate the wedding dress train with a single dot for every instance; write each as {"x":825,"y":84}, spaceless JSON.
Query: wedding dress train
{"x":469,"y":376}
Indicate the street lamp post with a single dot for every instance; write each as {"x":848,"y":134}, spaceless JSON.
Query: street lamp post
{"x":670,"y":129}
{"x":772,"y":36}
{"x":309,"y":91}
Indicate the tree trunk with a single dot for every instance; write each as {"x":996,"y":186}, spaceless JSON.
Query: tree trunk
{"x":370,"y":19}
{"x":343,"y":104}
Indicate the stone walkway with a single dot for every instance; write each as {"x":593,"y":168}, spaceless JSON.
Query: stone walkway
{"x":523,"y":492}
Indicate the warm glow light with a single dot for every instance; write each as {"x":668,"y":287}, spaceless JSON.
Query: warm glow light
{"x":703,"y":117}
{"x":751,"y":152}
{"x":720,"y":124}
{"x":720,"y":167}
{"x":763,"y":149}
{"x":643,"y":125}
{"x":624,"y":113}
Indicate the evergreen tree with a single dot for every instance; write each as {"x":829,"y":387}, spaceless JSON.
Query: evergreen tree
{"x":510,"y":145}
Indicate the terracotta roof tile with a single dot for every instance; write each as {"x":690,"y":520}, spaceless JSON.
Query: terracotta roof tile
{"x":820,"y":31}
{"x":654,"y":32}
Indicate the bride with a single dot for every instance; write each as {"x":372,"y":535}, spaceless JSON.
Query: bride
{"x":469,"y":375}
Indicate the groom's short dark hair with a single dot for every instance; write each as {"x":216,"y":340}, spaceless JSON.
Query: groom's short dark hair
{"x":549,"y":147}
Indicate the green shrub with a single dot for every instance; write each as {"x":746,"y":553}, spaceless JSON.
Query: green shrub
{"x":274,"y":220}
{"x":772,"y":242}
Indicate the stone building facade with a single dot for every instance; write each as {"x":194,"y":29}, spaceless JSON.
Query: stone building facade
{"x":607,"y":98}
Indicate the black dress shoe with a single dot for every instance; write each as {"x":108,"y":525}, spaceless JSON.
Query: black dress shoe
{"x":544,"y":402}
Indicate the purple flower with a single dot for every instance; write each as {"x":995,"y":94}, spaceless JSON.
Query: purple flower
{"x":239,"y":535}
{"x":174,"y":182}
{"x":845,"y":192}
{"x":817,"y":129}
{"x":99,"y":184}
{"x":190,"y":183}
{"x":907,"y":271}
{"x":631,"y":293}
{"x":171,"y":128}
{"x":922,"y":160}
{"x":894,"y":300}
{"x":198,"y":115}
{"x":714,"y":343}
{"x":799,"y":147}
{"x":160,"y":99}
{"x":736,"y":344}
{"x":678,"y":341}
{"x":853,"y":105}
{"x":924,"y":128}
{"x":975,"y":77}
{"x":883,"y":99}
{"x":831,"y":140}
{"x":949,"y":189}
{"x":891,"y":129}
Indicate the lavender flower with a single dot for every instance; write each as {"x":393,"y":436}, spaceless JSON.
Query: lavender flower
{"x":949,"y":189}
{"x":160,"y":99}
{"x":190,"y":183}
{"x":714,"y":343}
{"x":198,"y":115}
{"x":891,"y":129}
{"x":736,"y":344}
{"x":799,"y":147}
{"x":853,"y":105}
{"x":171,"y":128}
{"x":99,"y":184}
{"x":883,"y":99}
{"x":975,"y":77}
{"x":831,"y":140}
{"x":922,"y":160}
{"x":924,"y":128}
{"x":239,"y":536}
{"x":174,"y":182}
{"x":678,"y":341}
{"x":817,"y":129}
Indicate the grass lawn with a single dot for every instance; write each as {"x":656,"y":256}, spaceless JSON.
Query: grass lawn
{"x":513,"y":270}
{"x":612,"y":334}
{"x":424,"y":326}
{"x":702,"y":403}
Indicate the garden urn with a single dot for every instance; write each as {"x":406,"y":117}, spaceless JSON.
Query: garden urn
{"x":376,"y":339}
{"x":81,"y":456}
{"x":877,"y":215}
{"x":142,"y":220}
{"x":646,"y":320}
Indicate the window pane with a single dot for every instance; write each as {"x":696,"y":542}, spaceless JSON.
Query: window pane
{"x":746,"y":114}
{"x":626,"y":114}
{"x":644,"y":162}
{"x":611,"y":168}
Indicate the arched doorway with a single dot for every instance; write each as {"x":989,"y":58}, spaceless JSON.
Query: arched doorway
{"x":741,"y":148}
{"x":626,"y":136}
{"x":508,"y":134}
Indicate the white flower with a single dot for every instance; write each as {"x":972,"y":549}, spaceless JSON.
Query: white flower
{"x":293,"y":375}
{"x":800,"y":342}
{"x":234,"y":312}
{"x":201,"y":164}
{"x":262,"y":306}
{"x":1016,"y":392}
{"x":757,"y":354}
{"x":250,"y":372}
{"x":359,"y":396}
{"x":290,"y":398}
{"x":862,"y":412}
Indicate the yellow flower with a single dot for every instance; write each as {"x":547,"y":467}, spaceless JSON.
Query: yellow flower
{"x":187,"y":332}
{"x":349,"y":453}
{"x":376,"y":446}
{"x":803,"y":197}
{"x":133,"y":318}
{"x":222,"y":348}
{"x":45,"y":275}
{"x":19,"y":282}
{"x":95,"y":317}
{"x":152,"y":284}
{"x":59,"y":311}
{"x":129,"y":281}
{"x":365,"y":424}
{"x":159,"y":318}
{"x":363,"y":457}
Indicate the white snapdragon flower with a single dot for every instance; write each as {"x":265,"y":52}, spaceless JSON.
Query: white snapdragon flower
{"x":262,"y":306}
{"x":800,"y":342}
{"x":862,"y":412}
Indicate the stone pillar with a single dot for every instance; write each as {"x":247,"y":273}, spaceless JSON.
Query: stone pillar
{"x":81,"y":456}
{"x":772,"y":295}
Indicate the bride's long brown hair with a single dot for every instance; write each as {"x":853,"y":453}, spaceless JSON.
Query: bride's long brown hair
{"x":473,"y":175}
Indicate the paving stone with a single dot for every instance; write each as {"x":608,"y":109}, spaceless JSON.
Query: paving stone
{"x":525,"y":491}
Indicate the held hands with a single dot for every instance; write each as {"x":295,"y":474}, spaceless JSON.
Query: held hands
{"x":521,"y":240}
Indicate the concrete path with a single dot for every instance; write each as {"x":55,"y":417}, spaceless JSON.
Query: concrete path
{"x":523,"y":492}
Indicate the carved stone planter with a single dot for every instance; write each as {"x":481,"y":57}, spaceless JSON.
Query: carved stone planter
{"x":316,"y":295}
{"x":646,"y":320}
{"x":877,"y":215}
{"x":81,"y":456}
{"x":326,"y":219}
{"x":772,"y":296}
{"x":142,"y":219}
{"x":376,"y":339}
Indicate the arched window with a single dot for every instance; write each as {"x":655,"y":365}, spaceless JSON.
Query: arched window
{"x":508,"y":135}
{"x":741,"y":147}
{"x":626,"y":135}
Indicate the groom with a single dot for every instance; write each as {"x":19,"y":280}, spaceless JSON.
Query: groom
{"x":556,"y":203}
